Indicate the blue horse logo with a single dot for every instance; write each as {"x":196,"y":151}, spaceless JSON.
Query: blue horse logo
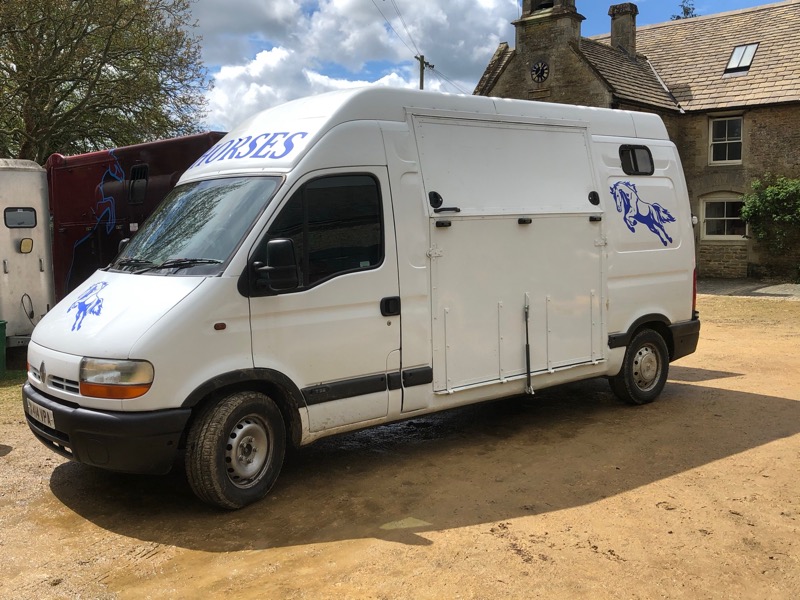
{"x":88,"y":303}
{"x":635,"y":210}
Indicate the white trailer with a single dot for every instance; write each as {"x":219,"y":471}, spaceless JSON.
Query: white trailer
{"x":365,"y":256}
{"x":26,"y":275}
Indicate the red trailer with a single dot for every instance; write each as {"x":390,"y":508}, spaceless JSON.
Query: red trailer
{"x":99,"y":198}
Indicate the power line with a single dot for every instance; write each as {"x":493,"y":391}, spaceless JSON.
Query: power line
{"x":443,"y":77}
{"x":393,"y":29}
{"x":403,"y":21}
{"x":423,"y":64}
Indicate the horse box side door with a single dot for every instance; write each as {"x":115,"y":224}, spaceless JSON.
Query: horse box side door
{"x":647,"y":220}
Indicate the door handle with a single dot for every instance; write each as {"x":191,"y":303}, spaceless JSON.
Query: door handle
{"x":390,"y":306}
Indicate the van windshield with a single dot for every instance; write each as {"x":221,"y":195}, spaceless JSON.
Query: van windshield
{"x":197,"y":227}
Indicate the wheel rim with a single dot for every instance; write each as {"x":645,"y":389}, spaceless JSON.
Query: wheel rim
{"x":248,"y":451}
{"x":646,"y":368}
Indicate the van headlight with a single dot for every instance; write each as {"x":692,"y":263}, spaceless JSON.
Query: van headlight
{"x":115,"y":379}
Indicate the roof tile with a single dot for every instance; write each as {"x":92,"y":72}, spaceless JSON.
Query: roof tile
{"x":690,"y":55}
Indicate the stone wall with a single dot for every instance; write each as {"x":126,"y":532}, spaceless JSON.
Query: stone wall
{"x":551,"y":38}
{"x":722,"y":259}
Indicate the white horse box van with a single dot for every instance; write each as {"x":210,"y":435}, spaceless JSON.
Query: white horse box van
{"x":365,"y":256}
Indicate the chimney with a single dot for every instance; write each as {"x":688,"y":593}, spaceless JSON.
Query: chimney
{"x":623,"y":26}
{"x":532,"y":6}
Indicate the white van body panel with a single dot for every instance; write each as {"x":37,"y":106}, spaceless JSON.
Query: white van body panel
{"x":26,"y":278}
{"x":536,"y":267}
{"x":106,"y":315}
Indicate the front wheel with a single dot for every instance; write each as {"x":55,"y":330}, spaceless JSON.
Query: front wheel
{"x":235,"y":450}
{"x":644,"y":369}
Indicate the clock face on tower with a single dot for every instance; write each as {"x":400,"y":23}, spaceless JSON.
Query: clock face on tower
{"x":540,"y":71}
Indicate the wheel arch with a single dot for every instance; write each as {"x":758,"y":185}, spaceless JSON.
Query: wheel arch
{"x":276,"y":385}
{"x":657,"y":322}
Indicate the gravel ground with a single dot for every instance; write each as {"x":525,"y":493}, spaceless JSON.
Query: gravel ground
{"x":568,"y":494}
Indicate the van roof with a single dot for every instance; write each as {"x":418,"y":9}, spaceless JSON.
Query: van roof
{"x":19,"y":164}
{"x":274,"y":140}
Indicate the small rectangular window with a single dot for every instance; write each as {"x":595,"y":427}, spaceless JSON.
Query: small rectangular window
{"x":20,"y":218}
{"x":722,"y":219}
{"x":137,"y":188}
{"x":636,"y":160}
{"x":741,"y":58}
{"x":726,"y":140}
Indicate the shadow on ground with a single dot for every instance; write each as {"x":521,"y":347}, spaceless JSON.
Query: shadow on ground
{"x":565,"y":447}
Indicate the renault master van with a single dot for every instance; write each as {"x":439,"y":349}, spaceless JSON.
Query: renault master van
{"x":365,"y":256}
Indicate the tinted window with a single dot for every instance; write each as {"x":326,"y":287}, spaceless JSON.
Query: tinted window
{"x":636,"y":160}
{"x":336,"y":227}
{"x":20,"y":218}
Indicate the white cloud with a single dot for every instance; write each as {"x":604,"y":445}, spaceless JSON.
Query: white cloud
{"x":265,"y":53}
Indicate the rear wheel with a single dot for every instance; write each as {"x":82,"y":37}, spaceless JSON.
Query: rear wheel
{"x":235,"y":450}
{"x":644,"y":369}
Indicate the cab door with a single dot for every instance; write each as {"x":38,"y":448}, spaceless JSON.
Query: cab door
{"x":324,"y":295}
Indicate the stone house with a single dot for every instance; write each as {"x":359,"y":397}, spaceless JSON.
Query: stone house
{"x":727,"y":86}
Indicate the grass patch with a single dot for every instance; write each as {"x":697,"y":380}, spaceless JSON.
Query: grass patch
{"x":11,"y":378}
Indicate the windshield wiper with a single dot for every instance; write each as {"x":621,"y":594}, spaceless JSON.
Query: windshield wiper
{"x":133,"y":262}
{"x":180,"y":263}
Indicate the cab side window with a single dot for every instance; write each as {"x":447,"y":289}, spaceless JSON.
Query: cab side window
{"x":336,"y":226}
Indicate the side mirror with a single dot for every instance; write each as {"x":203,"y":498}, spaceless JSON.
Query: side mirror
{"x":279,"y":272}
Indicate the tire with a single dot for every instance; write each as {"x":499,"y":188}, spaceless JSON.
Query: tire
{"x":235,"y":450}
{"x":644,"y":369}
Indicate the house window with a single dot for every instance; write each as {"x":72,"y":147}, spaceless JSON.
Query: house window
{"x":722,"y":219}
{"x":741,"y":58}
{"x":726,"y":140}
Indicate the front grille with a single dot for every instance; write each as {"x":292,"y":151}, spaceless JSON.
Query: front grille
{"x":65,"y":385}
{"x":55,"y":382}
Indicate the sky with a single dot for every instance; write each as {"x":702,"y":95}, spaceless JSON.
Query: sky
{"x":261,"y":53}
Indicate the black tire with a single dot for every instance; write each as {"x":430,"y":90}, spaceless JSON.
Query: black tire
{"x":235,"y":450}
{"x":644,"y":369}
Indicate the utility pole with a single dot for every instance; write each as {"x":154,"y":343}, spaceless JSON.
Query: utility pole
{"x":422,"y":64}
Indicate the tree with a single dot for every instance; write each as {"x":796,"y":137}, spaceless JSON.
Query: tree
{"x":687,"y":11}
{"x":82,"y":75}
{"x":772,"y":210}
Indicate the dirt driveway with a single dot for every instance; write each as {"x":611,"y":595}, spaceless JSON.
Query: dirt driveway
{"x":566,"y":495}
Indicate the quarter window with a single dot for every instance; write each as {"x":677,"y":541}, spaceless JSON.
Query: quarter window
{"x":726,"y":140}
{"x":335,"y":224}
{"x":636,"y":160}
{"x":19,"y":218}
{"x":722,"y":219}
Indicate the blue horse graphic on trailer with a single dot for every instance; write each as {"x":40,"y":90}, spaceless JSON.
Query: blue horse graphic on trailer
{"x":635,"y":210}
{"x":88,"y":303}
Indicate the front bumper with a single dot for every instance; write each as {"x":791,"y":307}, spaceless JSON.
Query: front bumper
{"x":136,"y":442}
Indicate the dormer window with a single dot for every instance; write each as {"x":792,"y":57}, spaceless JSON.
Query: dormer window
{"x":741,"y":58}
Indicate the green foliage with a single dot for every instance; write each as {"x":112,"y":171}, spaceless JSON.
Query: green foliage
{"x":82,"y":75}
{"x":772,"y":210}
{"x":687,"y":11}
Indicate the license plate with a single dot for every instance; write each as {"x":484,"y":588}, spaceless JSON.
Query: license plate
{"x":41,"y":414}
